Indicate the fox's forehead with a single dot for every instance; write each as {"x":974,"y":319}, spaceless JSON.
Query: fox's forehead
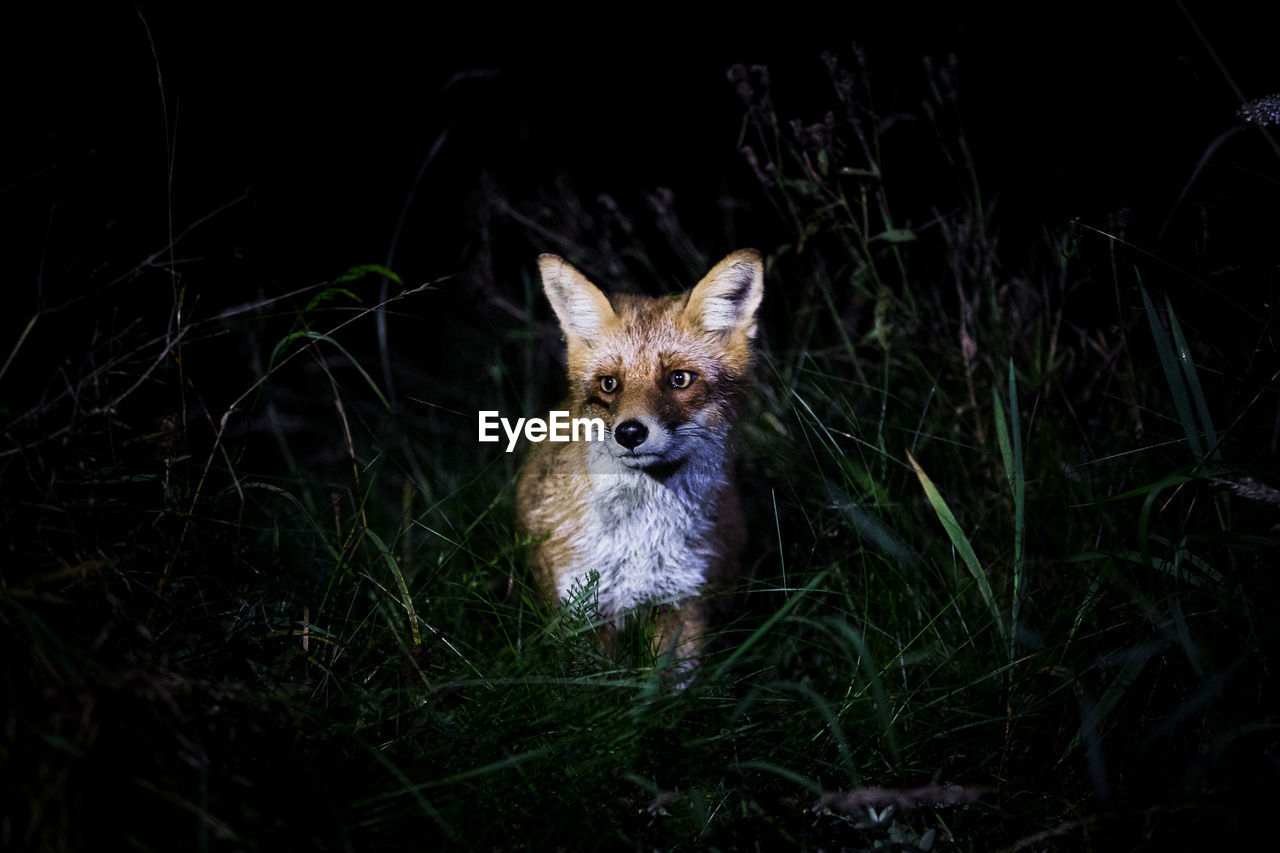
{"x":650,"y":349}
{"x":649,"y":336}
{"x":636,"y":313}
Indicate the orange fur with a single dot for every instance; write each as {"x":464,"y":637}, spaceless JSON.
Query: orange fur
{"x":650,"y":513}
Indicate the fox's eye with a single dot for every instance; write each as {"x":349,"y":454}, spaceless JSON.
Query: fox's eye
{"x":608,"y":384}
{"x":681,"y":378}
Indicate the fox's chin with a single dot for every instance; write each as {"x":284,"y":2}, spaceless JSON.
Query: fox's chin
{"x":651,"y":463}
{"x":639,"y":460}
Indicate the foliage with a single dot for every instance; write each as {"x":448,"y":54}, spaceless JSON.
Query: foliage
{"x":1011,"y":582}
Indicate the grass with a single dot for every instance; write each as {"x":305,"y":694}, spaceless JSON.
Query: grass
{"x":1010,"y":584}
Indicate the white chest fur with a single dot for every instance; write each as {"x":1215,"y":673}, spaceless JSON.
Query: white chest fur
{"x":650,"y":540}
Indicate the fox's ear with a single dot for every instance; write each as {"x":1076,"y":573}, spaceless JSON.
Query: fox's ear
{"x":727,"y":297}
{"x":583,"y":309}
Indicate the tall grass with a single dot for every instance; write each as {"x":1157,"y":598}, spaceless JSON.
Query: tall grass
{"x":1010,"y":582}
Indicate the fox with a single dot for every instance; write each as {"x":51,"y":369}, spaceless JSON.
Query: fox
{"x":648,"y":520}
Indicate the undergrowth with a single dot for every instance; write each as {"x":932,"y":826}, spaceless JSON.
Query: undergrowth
{"x":1010,"y":583}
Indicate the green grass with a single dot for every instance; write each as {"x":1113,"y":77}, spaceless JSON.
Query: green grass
{"x":1010,"y":583}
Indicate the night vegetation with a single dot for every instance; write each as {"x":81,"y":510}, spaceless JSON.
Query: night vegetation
{"x":1015,"y":513}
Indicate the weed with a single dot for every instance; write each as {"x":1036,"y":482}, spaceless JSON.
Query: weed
{"x":1010,"y":583}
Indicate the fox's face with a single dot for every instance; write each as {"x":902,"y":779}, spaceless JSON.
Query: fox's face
{"x":663,"y":374}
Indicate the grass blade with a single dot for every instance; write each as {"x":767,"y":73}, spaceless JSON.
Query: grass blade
{"x":1173,"y":374}
{"x":961,"y":543}
{"x":406,"y":601}
{"x":1010,"y":441}
{"x":1193,"y":380}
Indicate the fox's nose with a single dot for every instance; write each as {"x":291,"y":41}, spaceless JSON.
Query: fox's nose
{"x":630,"y":434}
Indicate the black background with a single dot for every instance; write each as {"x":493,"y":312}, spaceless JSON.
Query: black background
{"x":325,"y":118}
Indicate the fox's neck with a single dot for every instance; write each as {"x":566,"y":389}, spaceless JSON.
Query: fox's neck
{"x":695,"y":479}
{"x":649,"y":535}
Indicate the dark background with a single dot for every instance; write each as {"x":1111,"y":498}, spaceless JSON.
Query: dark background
{"x":297,"y":138}
{"x":325,"y":118}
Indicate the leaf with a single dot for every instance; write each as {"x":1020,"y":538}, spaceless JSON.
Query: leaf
{"x":362,"y":270}
{"x":328,"y":295}
{"x":406,"y":601}
{"x":1174,"y":375}
{"x":896,"y":235}
{"x":961,"y":543}
{"x":320,"y":336}
{"x":1193,"y":379}
{"x":1010,"y":441}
